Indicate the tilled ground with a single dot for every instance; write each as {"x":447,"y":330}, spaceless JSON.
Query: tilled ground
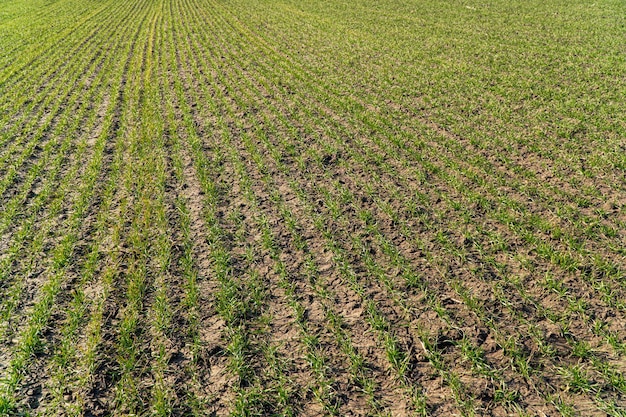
{"x":224,"y":207}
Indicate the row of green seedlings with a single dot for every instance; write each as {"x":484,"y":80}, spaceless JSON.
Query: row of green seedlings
{"x":378,"y":321}
{"x":547,"y":251}
{"x":179,"y":123}
{"x":611,"y":375}
{"x":512,"y":170}
{"x":39,"y":83}
{"x":206,"y":171}
{"x":455,"y":251}
{"x":472,"y":353}
{"x":175,"y":123}
{"x":41,"y":134}
{"x":317,"y":360}
{"x":190,"y":302}
{"x":236,"y":308}
{"x":153,"y":231}
{"x":63,"y":356}
{"x":32,"y":232}
{"x":240,"y":298}
{"x":357,"y":362}
{"x":572,"y":299}
{"x":409,"y":234}
{"x":49,"y":170}
{"x":376,"y":272}
{"x":398,"y":358}
{"x":164,"y":398}
{"x":513,"y":143}
{"x":533,"y":228}
{"x":285,"y":391}
{"x":128,"y":101}
{"x":145,"y":315}
{"x":564,"y":260}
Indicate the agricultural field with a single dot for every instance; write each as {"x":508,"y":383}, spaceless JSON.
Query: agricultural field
{"x":306,"y":208}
